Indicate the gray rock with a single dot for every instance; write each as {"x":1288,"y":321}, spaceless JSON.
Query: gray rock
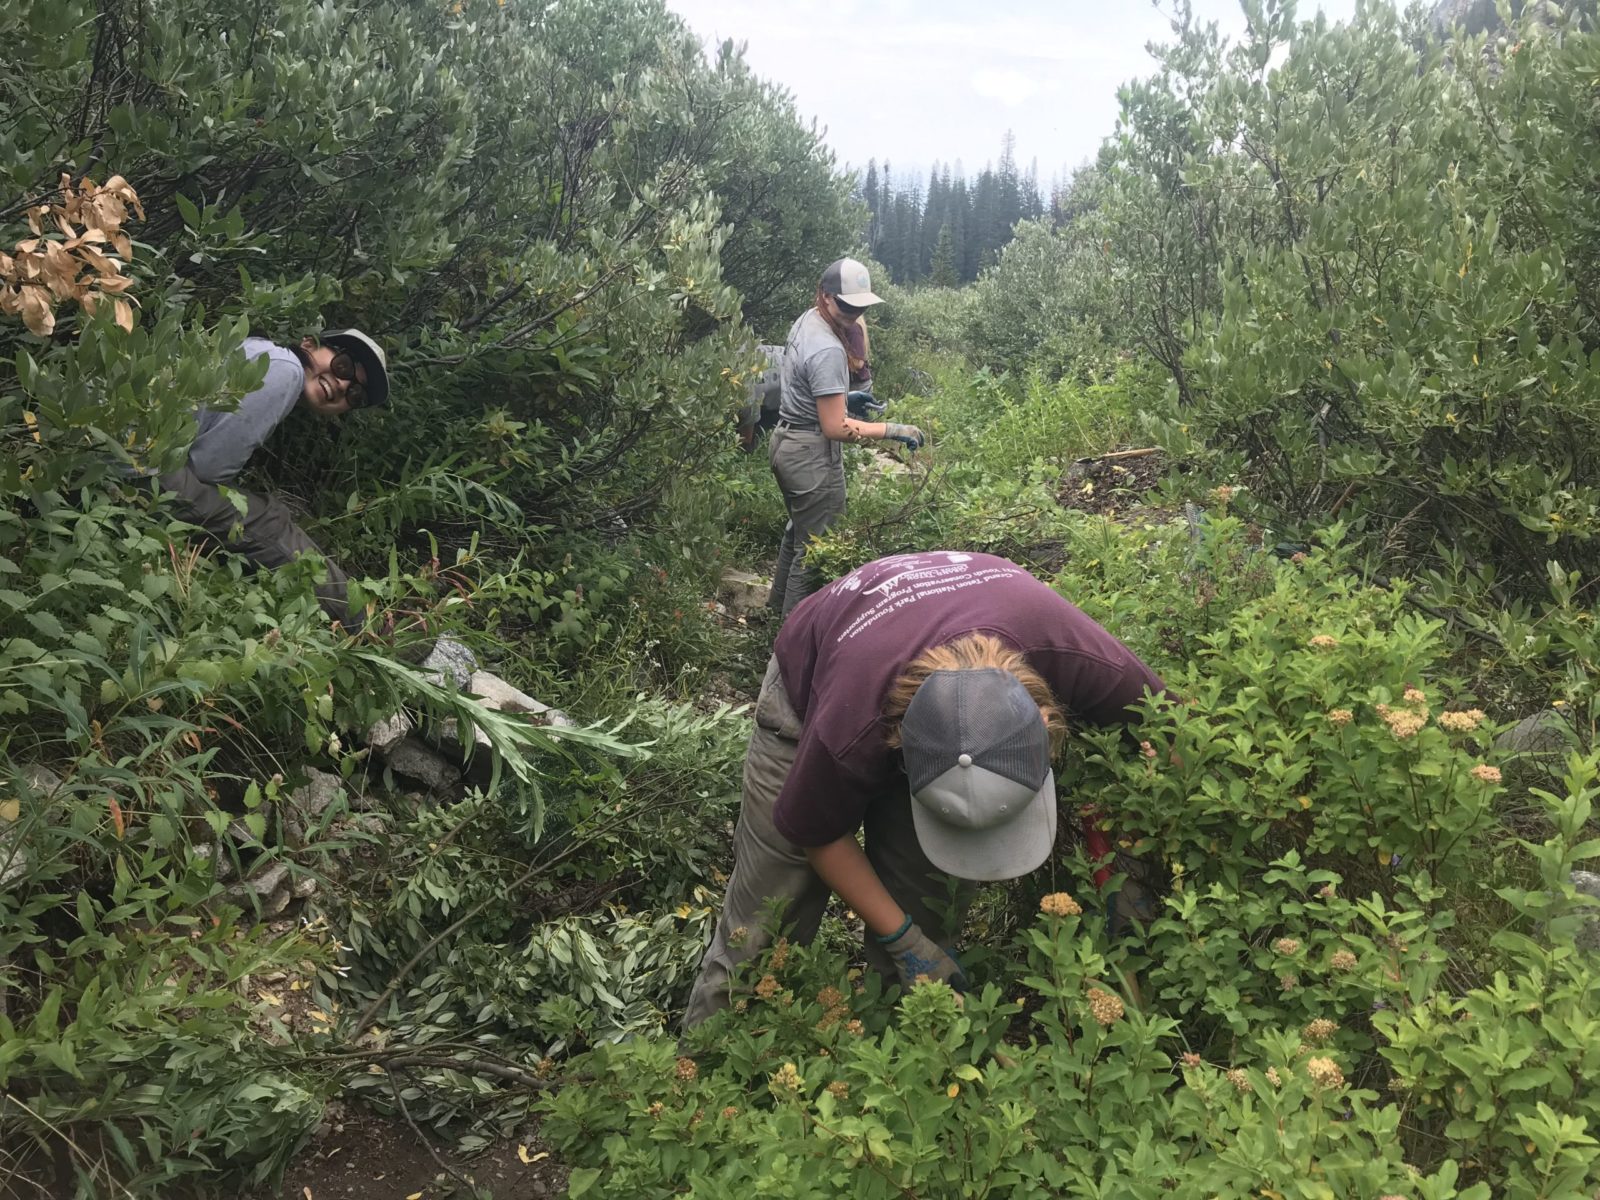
{"x":265,"y":888}
{"x":746,"y":592}
{"x":221,"y":861}
{"x":275,"y":904}
{"x":310,"y":801}
{"x":304,"y":887}
{"x":1588,"y":937}
{"x":494,"y":692}
{"x":388,"y":733}
{"x":1544,"y":733}
{"x":417,"y":760}
{"x":451,"y":661}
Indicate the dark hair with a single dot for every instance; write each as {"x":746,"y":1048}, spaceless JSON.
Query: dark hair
{"x":840,"y":325}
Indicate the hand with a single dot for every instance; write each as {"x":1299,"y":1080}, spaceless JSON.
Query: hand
{"x":910,"y":435}
{"x":915,"y":953}
{"x":864,"y":406}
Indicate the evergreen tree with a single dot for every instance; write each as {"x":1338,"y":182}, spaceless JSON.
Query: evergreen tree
{"x":943,"y":273}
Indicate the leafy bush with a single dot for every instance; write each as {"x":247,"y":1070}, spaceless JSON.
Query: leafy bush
{"x":1382,"y":304}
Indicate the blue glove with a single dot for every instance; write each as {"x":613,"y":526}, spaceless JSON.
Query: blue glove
{"x":915,"y":953}
{"x":864,"y":406}
{"x":909,"y":435}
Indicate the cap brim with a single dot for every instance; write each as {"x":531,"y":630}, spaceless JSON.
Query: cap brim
{"x":1004,"y":852}
{"x":860,"y":299}
{"x":377,"y":384}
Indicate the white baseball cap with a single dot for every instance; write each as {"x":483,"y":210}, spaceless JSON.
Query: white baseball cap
{"x":849,"y":281}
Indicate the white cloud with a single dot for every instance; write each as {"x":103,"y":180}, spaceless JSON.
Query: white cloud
{"x":1010,"y":88}
{"x":924,"y":80}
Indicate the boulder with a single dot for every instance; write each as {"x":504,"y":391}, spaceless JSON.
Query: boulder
{"x":1544,"y":733}
{"x":417,"y":760}
{"x":388,"y":733}
{"x":450,"y":661}
{"x":494,"y":692}
{"x":746,"y":592}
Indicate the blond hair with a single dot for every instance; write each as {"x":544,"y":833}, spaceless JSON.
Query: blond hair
{"x":974,"y":652}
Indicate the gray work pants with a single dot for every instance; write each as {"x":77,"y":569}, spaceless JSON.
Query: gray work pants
{"x":810,"y":472}
{"x":767,"y":865}
{"x":267,"y":536}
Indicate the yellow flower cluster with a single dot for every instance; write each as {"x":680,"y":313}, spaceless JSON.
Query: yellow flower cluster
{"x":839,"y":1090}
{"x":786,"y":1079}
{"x":729,"y":1113}
{"x":1321,"y":1029}
{"x":1484,"y":773}
{"x":1222,"y":494}
{"x":655,"y":1110}
{"x":1105,"y":1008}
{"x":855,"y":1027}
{"x":1287,"y":945}
{"x":1273,"y":1078}
{"x":1192,"y":1059}
{"x":1461,"y":722}
{"x":1241,"y":1081}
{"x":1060,"y":904}
{"x":1342,"y":960}
{"x":1323,"y":642}
{"x":1340,"y":716}
{"x":687,"y":1069}
{"x":780,"y":954}
{"x":1325,"y":1073}
{"x":768,"y":987}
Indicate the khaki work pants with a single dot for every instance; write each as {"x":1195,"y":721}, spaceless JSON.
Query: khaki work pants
{"x":767,"y":865}
{"x":810,"y":473}
{"x":267,"y":536}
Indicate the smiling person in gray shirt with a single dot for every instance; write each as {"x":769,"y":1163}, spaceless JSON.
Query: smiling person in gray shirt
{"x":329,"y":376}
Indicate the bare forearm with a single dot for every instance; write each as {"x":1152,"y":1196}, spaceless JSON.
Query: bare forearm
{"x":837,"y":427}
{"x":845,"y":869}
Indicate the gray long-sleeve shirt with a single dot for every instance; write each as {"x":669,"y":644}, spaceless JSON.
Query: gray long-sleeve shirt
{"x":226,"y":440}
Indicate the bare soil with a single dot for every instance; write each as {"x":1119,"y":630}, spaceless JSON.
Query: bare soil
{"x":371,"y":1157}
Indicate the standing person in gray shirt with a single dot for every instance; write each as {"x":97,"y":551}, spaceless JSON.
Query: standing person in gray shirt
{"x":805,"y":451}
{"x":342,"y":370}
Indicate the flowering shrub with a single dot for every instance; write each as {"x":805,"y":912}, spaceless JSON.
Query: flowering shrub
{"x":1051,"y":1080}
{"x":1351,"y":985}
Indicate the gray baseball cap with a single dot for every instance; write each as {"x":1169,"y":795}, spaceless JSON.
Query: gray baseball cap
{"x":977,"y":755}
{"x":849,"y":281}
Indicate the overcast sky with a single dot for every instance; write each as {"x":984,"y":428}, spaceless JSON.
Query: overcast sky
{"x":919,"y":81}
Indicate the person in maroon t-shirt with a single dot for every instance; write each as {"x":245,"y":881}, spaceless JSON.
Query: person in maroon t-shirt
{"x":919,"y":699}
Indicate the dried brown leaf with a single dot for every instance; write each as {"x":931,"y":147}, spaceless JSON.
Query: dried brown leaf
{"x":124,"y":313}
{"x":123,"y":245}
{"x":115,"y":283}
{"x":37,"y":312}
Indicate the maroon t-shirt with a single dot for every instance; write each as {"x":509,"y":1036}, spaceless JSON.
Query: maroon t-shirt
{"x":842,"y":648}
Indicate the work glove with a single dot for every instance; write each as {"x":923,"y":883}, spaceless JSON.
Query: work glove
{"x":915,"y":953}
{"x":910,"y":435}
{"x":864,"y":406}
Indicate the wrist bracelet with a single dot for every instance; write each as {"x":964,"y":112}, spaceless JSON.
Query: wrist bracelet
{"x":885,"y":939}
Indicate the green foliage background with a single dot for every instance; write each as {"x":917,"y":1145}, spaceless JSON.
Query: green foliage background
{"x":1343,"y":276}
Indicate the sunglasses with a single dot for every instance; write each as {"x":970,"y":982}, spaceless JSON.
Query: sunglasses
{"x":344,"y":367}
{"x":849,"y":310}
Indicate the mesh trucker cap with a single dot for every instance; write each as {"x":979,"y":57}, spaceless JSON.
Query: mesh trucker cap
{"x":848,"y":280}
{"x":977,"y":755}
{"x":370,"y":355}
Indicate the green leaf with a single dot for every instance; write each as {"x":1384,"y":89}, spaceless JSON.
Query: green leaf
{"x":581,"y":1180}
